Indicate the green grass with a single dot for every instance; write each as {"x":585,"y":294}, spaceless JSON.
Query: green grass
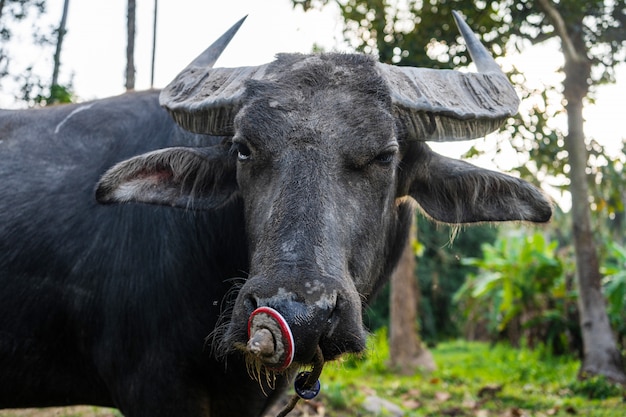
{"x":473,"y":379}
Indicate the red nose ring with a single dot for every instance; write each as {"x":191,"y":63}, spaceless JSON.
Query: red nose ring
{"x":270,"y":338}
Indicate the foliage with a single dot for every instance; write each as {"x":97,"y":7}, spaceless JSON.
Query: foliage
{"x":614,"y":286}
{"x":596,"y":387}
{"x":35,"y":92}
{"x":28,"y":85}
{"x":420,"y":33}
{"x":521,"y":291}
{"x":12,"y":14}
{"x":14,"y":11}
{"x":58,"y":94}
{"x":440,"y":273}
{"x":608,"y":197}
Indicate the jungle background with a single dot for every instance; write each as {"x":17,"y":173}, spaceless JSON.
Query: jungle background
{"x":502,"y":320}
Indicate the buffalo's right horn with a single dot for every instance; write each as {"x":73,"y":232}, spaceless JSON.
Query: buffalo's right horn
{"x":448,"y":105}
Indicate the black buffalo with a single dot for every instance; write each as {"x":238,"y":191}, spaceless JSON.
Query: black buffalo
{"x":301,"y":206}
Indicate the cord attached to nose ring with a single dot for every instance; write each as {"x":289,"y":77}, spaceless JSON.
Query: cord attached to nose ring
{"x":306,"y":384}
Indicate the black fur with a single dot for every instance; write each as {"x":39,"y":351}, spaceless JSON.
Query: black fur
{"x":110,"y":305}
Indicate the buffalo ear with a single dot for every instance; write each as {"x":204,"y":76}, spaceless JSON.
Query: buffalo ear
{"x":193,"y":178}
{"x":457,"y":192}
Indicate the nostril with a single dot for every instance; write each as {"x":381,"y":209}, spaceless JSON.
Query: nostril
{"x":250,"y":303}
{"x":334,"y":317}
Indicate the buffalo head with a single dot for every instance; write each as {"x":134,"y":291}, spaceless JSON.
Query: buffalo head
{"x":324,"y":152}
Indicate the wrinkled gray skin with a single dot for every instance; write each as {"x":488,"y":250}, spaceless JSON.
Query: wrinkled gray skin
{"x":327,"y":163}
{"x":319,"y":185}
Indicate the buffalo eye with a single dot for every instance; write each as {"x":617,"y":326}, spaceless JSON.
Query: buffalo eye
{"x":243,"y":151}
{"x":387,"y":156}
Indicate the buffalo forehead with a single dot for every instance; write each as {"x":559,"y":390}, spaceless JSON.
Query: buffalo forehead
{"x":347,"y":116}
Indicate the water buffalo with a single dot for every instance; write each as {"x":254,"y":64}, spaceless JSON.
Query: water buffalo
{"x":293,"y":199}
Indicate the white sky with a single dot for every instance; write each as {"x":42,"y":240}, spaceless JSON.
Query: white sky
{"x":96,"y":41}
{"x":94,"y":51}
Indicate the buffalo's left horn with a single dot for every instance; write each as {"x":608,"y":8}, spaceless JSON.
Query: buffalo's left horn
{"x":448,"y":105}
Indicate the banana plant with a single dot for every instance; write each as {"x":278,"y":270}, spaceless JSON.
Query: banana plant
{"x":614,"y":286}
{"x":519,"y":284}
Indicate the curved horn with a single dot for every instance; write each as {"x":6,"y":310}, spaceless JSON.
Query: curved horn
{"x":448,"y":105}
{"x":213,"y":52}
{"x":202,"y":99}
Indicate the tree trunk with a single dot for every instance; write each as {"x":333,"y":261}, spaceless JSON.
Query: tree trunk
{"x":154,"y":37}
{"x":57,"y":52}
{"x":406,"y":351}
{"x":3,"y":58}
{"x":600,"y":353}
{"x":130,"y":47}
{"x":601,"y":356}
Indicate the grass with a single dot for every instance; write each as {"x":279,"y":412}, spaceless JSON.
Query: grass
{"x":473,"y":380}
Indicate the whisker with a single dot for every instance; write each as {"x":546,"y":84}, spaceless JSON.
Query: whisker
{"x":216,"y":338}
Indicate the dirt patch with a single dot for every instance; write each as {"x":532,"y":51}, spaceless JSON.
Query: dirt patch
{"x":77,"y":411}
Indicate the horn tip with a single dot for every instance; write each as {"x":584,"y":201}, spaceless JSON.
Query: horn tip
{"x":461,"y":24}
{"x":213,"y":52}
{"x":237,"y":25}
{"x":479,"y":54}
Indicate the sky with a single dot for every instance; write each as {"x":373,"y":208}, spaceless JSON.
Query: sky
{"x":95,"y":45}
{"x":94,"y":50}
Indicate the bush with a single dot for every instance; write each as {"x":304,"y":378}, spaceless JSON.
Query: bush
{"x":614,"y":287}
{"x":597,"y":388}
{"x":521,"y":293}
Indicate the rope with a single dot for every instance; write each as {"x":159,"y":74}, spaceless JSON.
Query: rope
{"x":313,"y":377}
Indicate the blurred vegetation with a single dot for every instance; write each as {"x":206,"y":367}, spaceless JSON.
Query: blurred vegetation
{"x":614,"y":285}
{"x":26,"y":84}
{"x":522,"y":292}
{"x":506,"y":284}
{"x":12,"y":12}
{"x":474,"y":379}
{"x":440,"y":272}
